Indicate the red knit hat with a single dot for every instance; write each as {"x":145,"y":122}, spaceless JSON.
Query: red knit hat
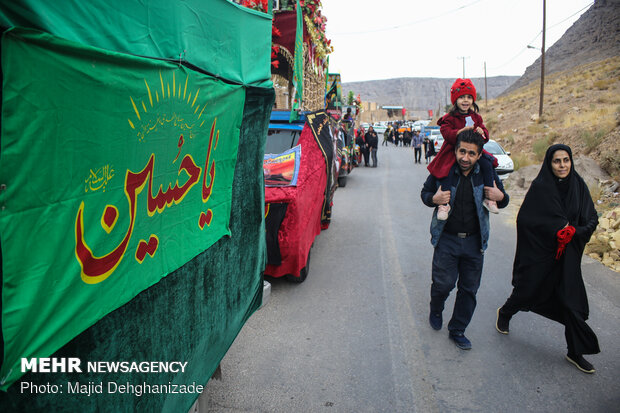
{"x":462,"y":87}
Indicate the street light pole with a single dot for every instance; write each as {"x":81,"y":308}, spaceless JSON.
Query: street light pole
{"x":542,"y":62}
{"x":485,"y":85}
{"x":463,"y":57}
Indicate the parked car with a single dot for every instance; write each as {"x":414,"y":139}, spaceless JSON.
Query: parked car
{"x":365,"y":126}
{"x":380,"y":127}
{"x":506,"y":165}
{"x":421,"y":123}
{"x":436,"y":138}
{"x":345,"y":141}
{"x":293,"y":214}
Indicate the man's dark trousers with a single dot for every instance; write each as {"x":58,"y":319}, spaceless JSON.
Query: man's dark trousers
{"x":455,"y":258}
{"x":418,"y":154}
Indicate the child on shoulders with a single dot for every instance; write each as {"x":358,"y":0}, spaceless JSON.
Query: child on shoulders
{"x":463,"y":116}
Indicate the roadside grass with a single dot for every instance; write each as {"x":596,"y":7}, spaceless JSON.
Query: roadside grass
{"x":520,"y":160}
{"x":539,"y":147}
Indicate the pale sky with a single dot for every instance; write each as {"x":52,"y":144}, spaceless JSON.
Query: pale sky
{"x":384,"y":39}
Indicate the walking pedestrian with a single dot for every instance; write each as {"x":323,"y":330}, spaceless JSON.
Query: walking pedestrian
{"x":407,"y":136}
{"x":417,"y":147}
{"x":429,"y":149}
{"x":396,"y":135}
{"x":361,"y":141}
{"x":386,"y":135}
{"x":555,"y":222}
{"x":460,"y":240}
{"x":463,"y":116}
{"x":373,"y":143}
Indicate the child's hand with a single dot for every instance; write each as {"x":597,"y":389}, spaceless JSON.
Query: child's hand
{"x":466,"y":128}
{"x":480,"y":131}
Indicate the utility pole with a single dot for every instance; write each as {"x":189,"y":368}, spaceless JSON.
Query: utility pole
{"x":463,"y":57}
{"x":485,"y":85}
{"x":542,"y":62}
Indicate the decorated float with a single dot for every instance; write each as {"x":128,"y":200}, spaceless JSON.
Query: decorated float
{"x":295,"y":214}
{"x":132,"y":195}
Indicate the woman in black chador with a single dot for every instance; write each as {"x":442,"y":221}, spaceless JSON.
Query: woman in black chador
{"x":554,"y":224}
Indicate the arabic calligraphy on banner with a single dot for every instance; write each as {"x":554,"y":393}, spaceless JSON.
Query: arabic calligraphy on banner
{"x":98,"y":179}
{"x":139,"y":158}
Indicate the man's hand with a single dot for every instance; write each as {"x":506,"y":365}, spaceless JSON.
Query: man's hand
{"x":493,"y":194}
{"x":441,"y":197}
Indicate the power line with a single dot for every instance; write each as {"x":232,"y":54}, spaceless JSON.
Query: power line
{"x":537,"y":35}
{"x":385,"y":29}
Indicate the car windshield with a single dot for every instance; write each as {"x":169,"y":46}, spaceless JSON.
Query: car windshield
{"x":494,"y":148}
{"x":279,"y":141}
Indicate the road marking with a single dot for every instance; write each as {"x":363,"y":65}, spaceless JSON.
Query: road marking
{"x":421,"y":393}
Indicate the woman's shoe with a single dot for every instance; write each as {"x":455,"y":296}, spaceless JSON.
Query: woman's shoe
{"x":581,"y":363}
{"x":502,"y":323}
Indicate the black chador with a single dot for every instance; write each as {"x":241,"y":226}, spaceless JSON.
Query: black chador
{"x":544,"y":281}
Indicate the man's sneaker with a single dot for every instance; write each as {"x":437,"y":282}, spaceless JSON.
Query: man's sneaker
{"x":435,"y":320}
{"x":491,"y":206}
{"x":502,"y":323}
{"x":461,"y":341}
{"x":581,"y":363}
{"x":442,"y":212}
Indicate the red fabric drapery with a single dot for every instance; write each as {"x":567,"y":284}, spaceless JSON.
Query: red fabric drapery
{"x":302,"y":222}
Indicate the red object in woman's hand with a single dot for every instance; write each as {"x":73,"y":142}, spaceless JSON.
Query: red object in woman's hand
{"x":565,"y":235}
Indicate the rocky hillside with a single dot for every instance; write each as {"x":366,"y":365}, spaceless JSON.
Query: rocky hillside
{"x":581,"y":109}
{"x":595,"y":36}
{"x":420,"y":93}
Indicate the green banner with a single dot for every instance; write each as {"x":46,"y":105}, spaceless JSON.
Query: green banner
{"x":118,"y":170}
{"x":222,"y":38}
{"x":298,"y":68}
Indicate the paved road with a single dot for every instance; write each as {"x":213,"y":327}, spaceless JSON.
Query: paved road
{"x":355,"y":337}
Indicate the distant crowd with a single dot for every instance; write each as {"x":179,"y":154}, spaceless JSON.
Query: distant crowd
{"x":399,"y":134}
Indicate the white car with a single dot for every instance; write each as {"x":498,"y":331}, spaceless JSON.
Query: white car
{"x":380,"y":127}
{"x":506,"y":165}
{"x":436,"y":138}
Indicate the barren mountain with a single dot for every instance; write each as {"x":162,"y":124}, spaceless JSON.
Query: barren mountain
{"x":592,"y":38}
{"x":417,"y":93}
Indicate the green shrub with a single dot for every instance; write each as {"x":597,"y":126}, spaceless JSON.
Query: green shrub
{"x":603,"y":84}
{"x":491,"y":123}
{"x":520,"y":160}
{"x":539,"y":148}
{"x":591,"y":141}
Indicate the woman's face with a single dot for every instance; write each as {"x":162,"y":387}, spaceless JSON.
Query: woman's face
{"x":560,"y":164}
